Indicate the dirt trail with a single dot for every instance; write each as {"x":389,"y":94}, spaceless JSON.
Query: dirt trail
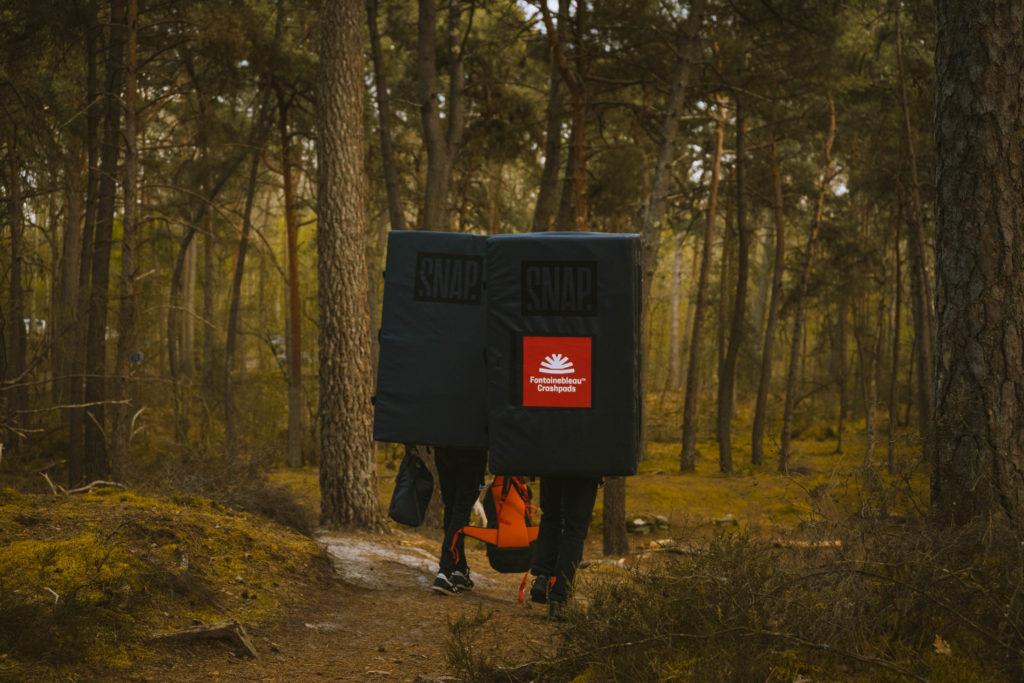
{"x":378,"y":620}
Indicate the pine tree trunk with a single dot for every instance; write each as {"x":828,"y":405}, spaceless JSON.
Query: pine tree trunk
{"x":17,"y":347}
{"x":979,"y":443}
{"x":387,"y":152}
{"x":127,"y":323}
{"x":688,"y":453}
{"x":922,"y":300}
{"x":547,"y":193}
{"x":95,"y":450}
{"x":348,"y":468}
{"x":727,"y":375}
{"x":775,"y":303}
{"x":293,"y":337}
{"x":795,"y":355}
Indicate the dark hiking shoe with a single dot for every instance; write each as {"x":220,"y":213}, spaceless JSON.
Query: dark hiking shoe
{"x":539,"y":590}
{"x":461,"y":580}
{"x":444,"y":585}
{"x":556,"y":610}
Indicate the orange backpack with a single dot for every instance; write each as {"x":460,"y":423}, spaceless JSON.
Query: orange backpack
{"x":510,"y":532}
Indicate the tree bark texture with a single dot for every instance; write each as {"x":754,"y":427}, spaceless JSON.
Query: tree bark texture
{"x":348,"y":468}
{"x":979,"y":374}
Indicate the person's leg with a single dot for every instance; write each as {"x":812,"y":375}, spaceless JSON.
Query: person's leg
{"x":545,"y":549}
{"x":468,"y":478}
{"x":447,"y":473}
{"x":578,"y":498}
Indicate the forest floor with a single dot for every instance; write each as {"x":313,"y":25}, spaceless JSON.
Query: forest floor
{"x":377,"y":620}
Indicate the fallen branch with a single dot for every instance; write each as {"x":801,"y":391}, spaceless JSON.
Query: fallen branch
{"x":222,"y":630}
{"x":89,"y":488}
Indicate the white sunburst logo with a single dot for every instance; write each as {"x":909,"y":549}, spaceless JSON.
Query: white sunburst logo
{"x":557,"y":364}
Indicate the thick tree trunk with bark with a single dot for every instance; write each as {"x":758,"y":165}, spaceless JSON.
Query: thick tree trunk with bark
{"x":348,"y":468}
{"x":979,"y":382}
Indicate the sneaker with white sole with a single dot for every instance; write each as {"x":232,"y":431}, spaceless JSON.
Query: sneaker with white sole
{"x":444,"y":585}
{"x":461,"y":580}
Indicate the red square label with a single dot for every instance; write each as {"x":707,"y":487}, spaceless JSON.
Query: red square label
{"x":556,"y":372}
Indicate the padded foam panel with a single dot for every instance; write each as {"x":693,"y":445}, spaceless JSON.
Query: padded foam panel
{"x":563,"y":354}
{"x":431,"y":374}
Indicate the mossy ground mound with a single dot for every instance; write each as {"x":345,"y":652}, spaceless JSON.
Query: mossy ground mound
{"x":86,"y":580}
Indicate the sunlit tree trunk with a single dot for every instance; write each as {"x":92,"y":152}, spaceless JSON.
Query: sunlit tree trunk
{"x":348,"y":471}
{"x":547,"y":192}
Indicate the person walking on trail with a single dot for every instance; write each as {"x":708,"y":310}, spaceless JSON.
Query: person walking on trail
{"x":567,"y":505}
{"x":460,"y":474}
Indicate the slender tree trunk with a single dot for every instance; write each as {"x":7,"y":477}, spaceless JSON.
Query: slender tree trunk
{"x":348,"y":472}
{"x":840,"y":371}
{"x":675,"y":342}
{"x":894,"y":408}
{"x":258,"y":138}
{"x":578,"y":141}
{"x":795,"y":356}
{"x":547,"y":193}
{"x":67,"y":294}
{"x":979,"y":376}
{"x":127,"y":319}
{"x":727,"y":376}
{"x":775,"y":303}
{"x":17,"y":347}
{"x":293,"y":339}
{"x":387,"y":151}
{"x":442,"y":146}
{"x":688,"y":453}
{"x":96,"y":464}
{"x":76,"y":417}
{"x":924,"y":316}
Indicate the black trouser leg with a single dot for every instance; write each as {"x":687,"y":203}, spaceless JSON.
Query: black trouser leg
{"x":460,"y":473}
